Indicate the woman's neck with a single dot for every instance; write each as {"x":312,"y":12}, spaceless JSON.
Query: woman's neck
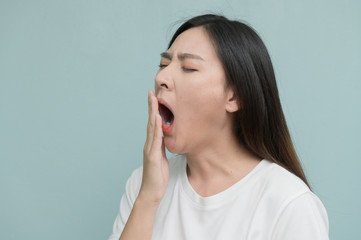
{"x":220,"y":164}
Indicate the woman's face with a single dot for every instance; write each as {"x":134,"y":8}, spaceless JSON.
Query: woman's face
{"x":191,"y":82}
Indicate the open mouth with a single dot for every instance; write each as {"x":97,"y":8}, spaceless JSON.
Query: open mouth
{"x":167,"y":117}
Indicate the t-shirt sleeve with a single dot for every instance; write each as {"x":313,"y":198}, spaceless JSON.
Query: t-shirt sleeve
{"x":305,"y":217}
{"x":127,"y":202}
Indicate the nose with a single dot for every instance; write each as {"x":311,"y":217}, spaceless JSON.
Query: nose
{"x":164,"y":80}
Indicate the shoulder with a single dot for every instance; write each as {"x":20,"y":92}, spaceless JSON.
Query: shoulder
{"x":296,"y":211}
{"x":273,"y":188}
{"x":304,"y":217}
{"x":282,"y":184}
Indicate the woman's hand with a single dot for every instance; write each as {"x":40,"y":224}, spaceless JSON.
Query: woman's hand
{"x":155,"y":163}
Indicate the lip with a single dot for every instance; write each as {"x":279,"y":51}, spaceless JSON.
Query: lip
{"x":163,"y":102}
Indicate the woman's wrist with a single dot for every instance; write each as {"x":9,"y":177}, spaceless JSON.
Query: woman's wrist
{"x":146,"y":202}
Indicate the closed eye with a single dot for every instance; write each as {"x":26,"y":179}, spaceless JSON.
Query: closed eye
{"x":184,"y":69}
{"x":162,"y":66}
{"x":189,"y":69}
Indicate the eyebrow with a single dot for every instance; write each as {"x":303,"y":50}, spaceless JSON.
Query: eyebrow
{"x":181,"y":56}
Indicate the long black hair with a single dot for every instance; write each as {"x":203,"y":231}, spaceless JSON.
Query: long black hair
{"x":260,"y":124}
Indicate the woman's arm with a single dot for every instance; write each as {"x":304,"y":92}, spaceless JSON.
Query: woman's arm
{"x":140,"y":221}
{"x":154,"y":181}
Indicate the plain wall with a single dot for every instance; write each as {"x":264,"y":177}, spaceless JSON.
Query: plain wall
{"x":74,"y":77}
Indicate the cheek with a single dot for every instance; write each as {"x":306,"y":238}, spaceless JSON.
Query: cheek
{"x":209,"y":100}
{"x":202,"y":110}
{"x":198,"y":115}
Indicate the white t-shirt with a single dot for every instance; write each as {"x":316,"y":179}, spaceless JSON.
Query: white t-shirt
{"x":269,"y":203}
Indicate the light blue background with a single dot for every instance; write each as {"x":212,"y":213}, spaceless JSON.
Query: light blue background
{"x":74,"y":77}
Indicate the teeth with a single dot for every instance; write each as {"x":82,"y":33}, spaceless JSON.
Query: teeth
{"x":167,"y":123}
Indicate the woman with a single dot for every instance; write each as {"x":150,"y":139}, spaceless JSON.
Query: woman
{"x":237,"y":176}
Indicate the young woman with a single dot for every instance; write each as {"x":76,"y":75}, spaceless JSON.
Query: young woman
{"x":237,"y":175}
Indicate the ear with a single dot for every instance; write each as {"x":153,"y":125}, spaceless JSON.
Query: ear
{"x":232,"y":104}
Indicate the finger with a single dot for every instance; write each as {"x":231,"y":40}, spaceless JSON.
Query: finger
{"x":148,"y":139}
{"x":157,"y":140}
{"x":149,"y":101}
{"x":163,"y":149}
{"x":153,"y":109}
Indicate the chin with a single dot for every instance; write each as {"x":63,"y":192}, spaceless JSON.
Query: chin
{"x":172,"y":146}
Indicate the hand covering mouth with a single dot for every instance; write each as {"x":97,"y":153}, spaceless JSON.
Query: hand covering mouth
{"x":167,"y":116}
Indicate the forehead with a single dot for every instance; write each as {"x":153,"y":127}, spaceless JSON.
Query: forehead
{"x":194,"y":41}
